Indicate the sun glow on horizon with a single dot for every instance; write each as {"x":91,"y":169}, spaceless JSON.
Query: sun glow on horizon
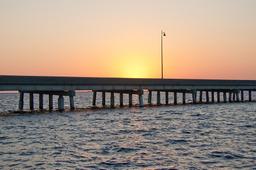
{"x":137,"y":65}
{"x":135,"y":70}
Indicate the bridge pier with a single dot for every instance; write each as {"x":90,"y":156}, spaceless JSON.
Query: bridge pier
{"x":194,"y":96}
{"x":234,"y":96}
{"x":31,"y":101}
{"x":225,"y":97}
{"x":130,"y":99}
{"x":121,"y":98}
{"x":112,"y":99}
{"x":166,"y":97}
{"x":71,"y":95}
{"x":213,"y":97}
{"x":61,"y":103}
{"x":207,"y":96}
{"x":94,"y":98}
{"x":242,"y":95}
{"x":250,"y":95}
{"x":175,"y":98}
{"x":21,"y":101}
{"x":121,"y":93}
{"x":200,"y":96}
{"x":237,"y":96}
{"x":158,"y":98}
{"x":41,"y":94}
{"x":103,"y":101}
{"x":50,"y":102}
{"x":230,"y":97}
{"x":218,"y":96}
{"x":71,"y":102}
{"x":41,"y":101}
{"x":184,"y":97}
{"x":150,"y":97}
{"x":141,"y":103}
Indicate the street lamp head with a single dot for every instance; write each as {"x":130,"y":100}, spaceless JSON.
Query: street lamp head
{"x":163,"y":34}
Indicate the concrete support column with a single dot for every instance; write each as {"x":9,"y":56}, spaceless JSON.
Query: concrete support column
{"x":184,"y":97}
{"x":61,"y":103}
{"x":141,"y":103}
{"x":207,"y":96}
{"x":225,"y":97}
{"x":21,"y":101}
{"x":175,"y":98}
{"x":150,"y":97}
{"x":233,"y":96}
{"x":237,"y":96}
{"x":50,"y":102}
{"x":250,"y":95}
{"x":103,"y":101}
{"x":121,"y":98}
{"x":230,"y":97}
{"x":242,"y":96}
{"x":130,"y":99}
{"x":194,"y":96}
{"x":41,"y":101}
{"x":213,"y":97}
{"x":158,"y":98}
{"x":71,"y":102}
{"x":112,"y":100}
{"x":94,"y":98}
{"x":31,"y":101}
{"x":200,"y":96}
{"x":218,"y":96}
{"x":166,"y":97}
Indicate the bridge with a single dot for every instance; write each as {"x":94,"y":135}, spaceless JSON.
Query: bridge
{"x":199,"y":89}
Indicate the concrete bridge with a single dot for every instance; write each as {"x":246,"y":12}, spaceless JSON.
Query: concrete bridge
{"x":210,"y":90}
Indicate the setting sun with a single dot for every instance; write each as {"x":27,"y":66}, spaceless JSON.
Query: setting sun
{"x":135,"y":70}
{"x":137,"y":65}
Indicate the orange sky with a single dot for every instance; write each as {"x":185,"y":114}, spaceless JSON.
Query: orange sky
{"x":113,"y":38}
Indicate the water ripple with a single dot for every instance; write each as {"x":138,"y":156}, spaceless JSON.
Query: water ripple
{"x":175,"y":137}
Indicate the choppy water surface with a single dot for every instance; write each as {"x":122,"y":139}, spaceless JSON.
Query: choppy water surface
{"x":191,"y":136}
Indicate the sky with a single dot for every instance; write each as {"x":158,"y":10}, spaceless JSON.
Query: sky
{"x":206,"y":39}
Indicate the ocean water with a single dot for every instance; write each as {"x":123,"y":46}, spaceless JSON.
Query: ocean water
{"x":202,"y":136}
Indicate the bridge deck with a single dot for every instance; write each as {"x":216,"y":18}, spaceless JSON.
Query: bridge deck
{"x":43,"y":83}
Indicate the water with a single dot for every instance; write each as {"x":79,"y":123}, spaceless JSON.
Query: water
{"x":215,"y":136}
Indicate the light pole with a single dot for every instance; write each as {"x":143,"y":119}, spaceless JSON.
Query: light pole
{"x":162,"y":55}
